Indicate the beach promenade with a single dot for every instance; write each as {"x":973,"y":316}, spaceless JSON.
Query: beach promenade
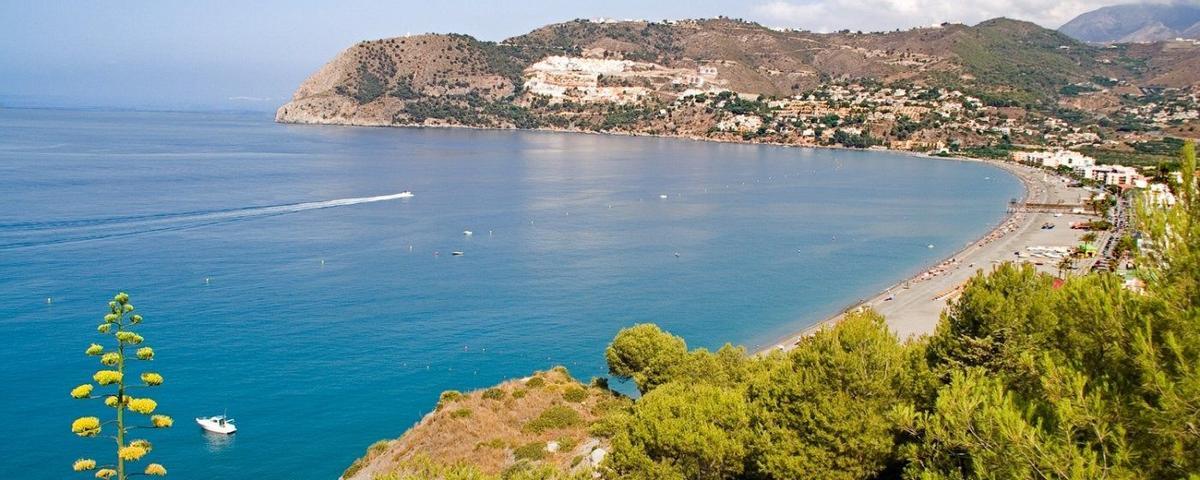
{"x":913,"y":307}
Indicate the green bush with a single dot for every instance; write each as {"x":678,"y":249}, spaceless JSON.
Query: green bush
{"x":566,"y":444}
{"x":519,"y":393}
{"x":535,"y":382}
{"x":575,"y":394}
{"x":447,"y":397}
{"x":493,"y":394}
{"x":533,"y":451}
{"x":461,"y":413}
{"x":558,"y":416}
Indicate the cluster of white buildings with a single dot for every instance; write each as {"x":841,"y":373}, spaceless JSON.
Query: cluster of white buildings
{"x":1118,"y":175}
{"x":594,"y":79}
{"x":1158,"y":194}
{"x":1085,"y":166}
{"x":1056,"y":158}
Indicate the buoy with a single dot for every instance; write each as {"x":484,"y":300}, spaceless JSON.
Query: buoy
{"x":322,"y":262}
{"x":49,"y":300}
{"x":206,"y":280}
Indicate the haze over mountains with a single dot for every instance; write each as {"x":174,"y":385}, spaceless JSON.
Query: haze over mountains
{"x":1136,"y":23}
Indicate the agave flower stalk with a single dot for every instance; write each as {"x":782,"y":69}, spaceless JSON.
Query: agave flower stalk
{"x":118,"y":326}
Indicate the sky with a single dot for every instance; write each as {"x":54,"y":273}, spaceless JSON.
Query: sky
{"x":250,"y":55}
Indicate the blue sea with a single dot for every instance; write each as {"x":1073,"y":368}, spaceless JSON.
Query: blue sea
{"x":278,"y":287}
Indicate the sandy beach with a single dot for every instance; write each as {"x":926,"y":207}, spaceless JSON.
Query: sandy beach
{"x":913,"y":306}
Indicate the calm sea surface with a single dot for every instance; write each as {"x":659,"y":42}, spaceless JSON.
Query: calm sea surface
{"x":276,"y":288}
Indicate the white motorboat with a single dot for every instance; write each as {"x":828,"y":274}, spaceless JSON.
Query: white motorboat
{"x":456,"y":253}
{"x":405,"y":194}
{"x":217,"y":424}
{"x":468,"y":233}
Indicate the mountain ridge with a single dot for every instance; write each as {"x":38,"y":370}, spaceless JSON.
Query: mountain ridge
{"x":638,"y":76}
{"x":1136,"y":23}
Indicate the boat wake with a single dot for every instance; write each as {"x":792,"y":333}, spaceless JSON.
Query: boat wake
{"x":32,"y":234}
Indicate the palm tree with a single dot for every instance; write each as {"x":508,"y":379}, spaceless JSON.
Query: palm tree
{"x":1066,"y":266}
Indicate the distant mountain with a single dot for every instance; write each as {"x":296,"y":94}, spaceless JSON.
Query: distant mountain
{"x":393,"y":81}
{"x":730,"y":79}
{"x":1136,"y":23}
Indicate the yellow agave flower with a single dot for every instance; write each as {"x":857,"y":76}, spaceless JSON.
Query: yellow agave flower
{"x":86,"y":426}
{"x":161,"y":421}
{"x":104,"y":328}
{"x":152,"y":379}
{"x":121,"y":297}
{"x":145,"y":353}
{"x":105,"y":473}
{"x":110,"y":359}
{"x":107,"y":377}
{"x":156,"y":470}
{"x":128,"y":308}
{"x":136,"y":319}
{"x":82,"y":391}
{"x":129,"y":337}
{"x":110,"y":318}
{"x":131,"y":453}
{"x":144,"y":406}
{"x":84,"y":464}
{"x":111,"y":400}
{"x":142,"y":443}
{"x":94,"y":350}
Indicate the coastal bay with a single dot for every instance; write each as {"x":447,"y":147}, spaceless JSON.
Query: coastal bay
{"x":276,"y":291}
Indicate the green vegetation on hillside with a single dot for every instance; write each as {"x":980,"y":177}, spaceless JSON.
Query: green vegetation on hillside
{"x":1021,"y":380}
{"x":1023,"y":59}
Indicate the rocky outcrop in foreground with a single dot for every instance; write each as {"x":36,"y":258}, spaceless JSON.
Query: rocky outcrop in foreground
{"x":539,"y":422}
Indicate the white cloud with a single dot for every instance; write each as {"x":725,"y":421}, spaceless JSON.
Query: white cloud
{"x":876,"y":15}
{"x":245,"y":98}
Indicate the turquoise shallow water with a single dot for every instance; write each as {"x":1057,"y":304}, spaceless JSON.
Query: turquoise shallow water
{"x":321,"y":331}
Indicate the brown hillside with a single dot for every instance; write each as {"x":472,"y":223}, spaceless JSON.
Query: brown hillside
{"x":512,"y":424}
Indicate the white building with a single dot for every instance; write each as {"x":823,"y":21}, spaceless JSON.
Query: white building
{"x":740,"y":123}
{"x":1055,"y":159}
{"x":1118,"y":175}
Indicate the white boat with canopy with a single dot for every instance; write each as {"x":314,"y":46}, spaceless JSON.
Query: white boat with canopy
{"x":217,"y":424}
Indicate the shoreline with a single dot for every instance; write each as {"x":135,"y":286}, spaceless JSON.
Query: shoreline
{"x":787,"y":342}
{"x":928,"y":292}
{"x":913,"y":319}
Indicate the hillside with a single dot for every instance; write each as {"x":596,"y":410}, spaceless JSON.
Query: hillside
{"x":1136,"y":23}
{"x":536,"y":424}
{"x":925,"y":89}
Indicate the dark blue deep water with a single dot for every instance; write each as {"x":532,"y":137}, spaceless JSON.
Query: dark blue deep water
{"x":319,"y":329}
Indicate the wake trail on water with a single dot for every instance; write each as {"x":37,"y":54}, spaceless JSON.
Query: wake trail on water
{"x":79,"y":230}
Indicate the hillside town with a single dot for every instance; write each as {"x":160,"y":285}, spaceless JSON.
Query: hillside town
{"x":1102,"y":115}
